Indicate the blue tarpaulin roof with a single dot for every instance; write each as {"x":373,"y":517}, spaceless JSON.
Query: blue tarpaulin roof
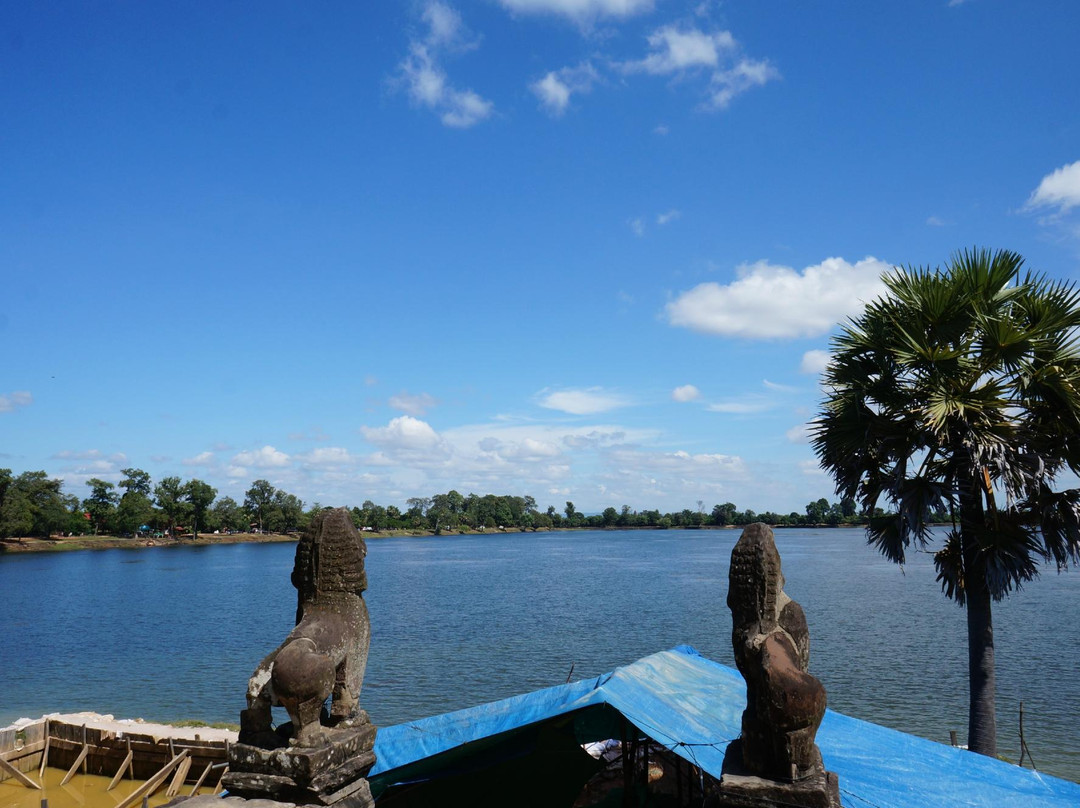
{"x":694,"y":706}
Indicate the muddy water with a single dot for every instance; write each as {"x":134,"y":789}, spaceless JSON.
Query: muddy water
{"x":84,"y":791}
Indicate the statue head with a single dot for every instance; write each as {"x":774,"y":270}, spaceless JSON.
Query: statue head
{"x":755,"y":582}
{"x":330,"y":556}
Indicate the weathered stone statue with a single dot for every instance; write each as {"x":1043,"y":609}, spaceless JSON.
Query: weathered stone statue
{"x":775,"y":761}
{"x":326,"y":753}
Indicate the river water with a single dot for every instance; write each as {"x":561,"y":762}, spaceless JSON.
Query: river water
{"x":173,"y":633}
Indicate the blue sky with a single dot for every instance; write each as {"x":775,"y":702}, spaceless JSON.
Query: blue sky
{"x":587,"y":250}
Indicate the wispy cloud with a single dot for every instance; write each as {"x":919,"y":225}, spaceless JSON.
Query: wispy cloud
{"x":800,"y":433}
{"x":412,"y":404}
{"x":668,"y":217}
{"x":580,"y":11}
{"x":745,"y":406}
{"x":779,"y":388}
{"x":13,"y":401}
{"x":586,"y":401}
{"x":777,"y":302}
{"x":555,"y":89}
{"x":424,"y":77}
{"x":682,"y":51}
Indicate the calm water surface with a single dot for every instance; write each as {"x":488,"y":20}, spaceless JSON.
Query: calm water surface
{"x":173,"y":633}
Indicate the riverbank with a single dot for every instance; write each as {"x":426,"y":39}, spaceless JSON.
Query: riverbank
{"x":59,"y":544}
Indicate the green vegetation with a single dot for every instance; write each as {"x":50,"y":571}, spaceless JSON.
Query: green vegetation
{"x":32,"y":505}
{"x":960,"y":389}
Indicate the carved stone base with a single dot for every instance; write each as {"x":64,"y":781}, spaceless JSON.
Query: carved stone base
{"x":330,"y":774}
{"x":739,"y":789}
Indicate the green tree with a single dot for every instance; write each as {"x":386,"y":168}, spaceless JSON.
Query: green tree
{"x":959,"y":385}
{"x":169,"y":494}
{"x":199,"y":496}
{"x":288,"y":512}
{"x":134,"y":511}
{"x":135,"y":508}
{"x":724,"y":514}
{"x":136,"y":481}
{"x":817,"y":512}
{"x":16,"y":514}
{"x":101,"y":504}
{"x":259,"y":500}
{"x":226,"y":514}
{"x":50,"y":508}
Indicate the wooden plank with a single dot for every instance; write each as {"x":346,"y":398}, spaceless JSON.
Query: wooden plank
{"x":198,"y":783}
{"x":18,"y":775}
{"x":152,"y":785}
{"x":45,"y":754}
{"x":179,"y":778}
{"x":25,"y":751}
{"x":75,"y":766}
{"x":126,"y":765}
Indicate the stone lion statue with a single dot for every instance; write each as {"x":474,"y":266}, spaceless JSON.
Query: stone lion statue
{"x":326,"y":653}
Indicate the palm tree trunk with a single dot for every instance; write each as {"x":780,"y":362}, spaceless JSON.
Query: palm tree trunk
{"x":982,"y":721}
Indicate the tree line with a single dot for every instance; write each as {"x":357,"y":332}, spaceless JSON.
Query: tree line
{"x":33,"y":504}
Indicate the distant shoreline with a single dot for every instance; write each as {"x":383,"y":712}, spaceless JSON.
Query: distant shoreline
{"x":67,"y":544}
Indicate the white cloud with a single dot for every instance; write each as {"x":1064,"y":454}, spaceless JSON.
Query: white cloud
{"x":686,"y":392}
{"x":554,"y":89}
{"x":673,"y":50}
{"x":201,"y":459}
{"x":800,"y":433}
{"x":95,"y":455}
{"x":814,"y":362}
{"x":426,"y":80}
{"x":681,"y":51}
{"x":746,"y":406}
{"x":586,"y":401}
{"x":12,"y":401}
{"x":661,"y":129}
{"x":404,"y":433}
{"x":670,"y":216}
{"x":780,"y":388}
{"x":747,"y":74}
{"x":328,"y":456}
{"x":1059,"y":189}
{"x":934,"y":221}
{"x":444,"y":24}
{"x":413,"y":405}
{"x":532,"y":449}
{"x":638,"y":226}
{"x":265,"y":458}
{"x":776,"y":302}
{"x":580,"y":10}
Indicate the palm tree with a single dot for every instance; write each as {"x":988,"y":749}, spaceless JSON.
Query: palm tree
{"x":959,"y":391}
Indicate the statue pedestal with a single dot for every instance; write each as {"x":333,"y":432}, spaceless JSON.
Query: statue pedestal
{"x":739,"y":789}
{"x":331,"y":774}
